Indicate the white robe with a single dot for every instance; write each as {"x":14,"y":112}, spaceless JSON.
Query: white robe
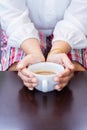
{"x":66,"y":19}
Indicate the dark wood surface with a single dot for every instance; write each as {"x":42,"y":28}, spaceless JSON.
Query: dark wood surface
{"x":21,"y":109}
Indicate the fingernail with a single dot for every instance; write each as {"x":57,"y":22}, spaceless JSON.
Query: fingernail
{"x":31,"y":89}
{"x":56,"y":79}
{"x":30,"y":75}
{"x":34,"y":80}
{"x":58,"y":88}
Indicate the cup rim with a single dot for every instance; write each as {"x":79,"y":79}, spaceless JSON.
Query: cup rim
{"x":51,"y":63}
{"x":46,"y":63}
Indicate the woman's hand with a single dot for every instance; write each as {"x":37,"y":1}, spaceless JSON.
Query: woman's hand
{"x":64,"y":77}
{"x":28,"y":78}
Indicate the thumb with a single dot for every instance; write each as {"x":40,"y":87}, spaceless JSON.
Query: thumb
{"x":68,"y":64}
{"x":71,"y":66}
{"x":23,"y":63}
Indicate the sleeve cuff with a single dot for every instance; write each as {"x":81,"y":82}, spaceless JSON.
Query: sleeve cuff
{"x":17,"y":37}
{"x":67,"y":32}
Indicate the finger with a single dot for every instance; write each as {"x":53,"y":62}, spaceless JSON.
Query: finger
{"x":64,"y":76}
{"x":63,"y":82}
{"x":65,"y":73}
{"x":34,"y":84}
{"x":29,"y":59}
{"x":27,"y":73}
{"x":63,"y":79}
{"x":23,"y":63}
{"x":67,"y":63}
{"x":60,"y":86}
{"x":27,"y":79}
{"x":54,"y":58}
{"x":34,"y":80}
{"x":24,"y":78}
{"x":29,"y":86}
{"x":61,"y":59}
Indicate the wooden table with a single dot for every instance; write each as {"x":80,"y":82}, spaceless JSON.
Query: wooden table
{"x":21,"y":109}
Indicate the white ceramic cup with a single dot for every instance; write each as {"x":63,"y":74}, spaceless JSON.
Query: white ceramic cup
{"x":46,"y":83}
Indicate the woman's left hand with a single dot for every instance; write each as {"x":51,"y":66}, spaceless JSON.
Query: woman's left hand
{"x":64,"y":77}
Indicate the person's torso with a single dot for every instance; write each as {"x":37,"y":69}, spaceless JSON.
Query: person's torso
{"x":45,"y":14}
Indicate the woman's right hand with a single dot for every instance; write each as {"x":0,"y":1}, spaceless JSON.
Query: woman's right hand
{"x":29,"y":80}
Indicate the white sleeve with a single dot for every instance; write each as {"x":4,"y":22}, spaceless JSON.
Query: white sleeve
{"x":73,"y":28}
{"x":14,"y":19}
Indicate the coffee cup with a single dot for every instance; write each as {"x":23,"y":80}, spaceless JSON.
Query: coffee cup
{"x":45,"y":73}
